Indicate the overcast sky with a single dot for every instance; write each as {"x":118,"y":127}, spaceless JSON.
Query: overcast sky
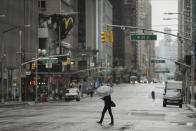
{"x":159,"y":7}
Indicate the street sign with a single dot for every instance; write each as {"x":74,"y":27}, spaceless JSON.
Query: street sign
{"x":143,"y":37}
{"x":92,"y":64}
{"x":48,"y":65}
{"x":166,"y":71}
{"x":28,"y":73}
{"x":50,"y":61}
{"x":157,"y":61}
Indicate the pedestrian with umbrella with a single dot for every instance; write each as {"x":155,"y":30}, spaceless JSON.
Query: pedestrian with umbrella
{"x":105,"y":91}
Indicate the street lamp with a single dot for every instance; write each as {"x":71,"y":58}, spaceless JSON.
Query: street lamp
{"x":2,"y":70}
{"x":177,"y":19}
{"x":36,"y":71}
{"x":171,"y":13}
{"x":20,"y":68}
{"x":170,"y":18}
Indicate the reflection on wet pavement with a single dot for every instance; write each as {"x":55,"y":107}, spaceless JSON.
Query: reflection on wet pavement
{"x":193,"y":124}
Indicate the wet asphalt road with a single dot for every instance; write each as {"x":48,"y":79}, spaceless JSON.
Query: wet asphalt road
{"x":135,"y":111}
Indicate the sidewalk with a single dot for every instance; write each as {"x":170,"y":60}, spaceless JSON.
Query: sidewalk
{"x":11,"y":103}
{"x":191,"y":107}
{"x":16,"y":103}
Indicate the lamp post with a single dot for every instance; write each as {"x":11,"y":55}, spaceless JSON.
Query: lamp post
{"x":36,"y":71}
{"x":2,"y":70}
{"x":173,"y":13}
{"x":20,"y":66}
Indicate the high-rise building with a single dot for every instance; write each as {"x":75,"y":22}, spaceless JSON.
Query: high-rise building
{"x":93,"y":17}
{"x":127,"y":53}
{"x":118,"y":45}
{"x":130,"y":47}
{"x":18,"y":42}
{"x":167,"y":51}
{"x":145,"y":48}
{"x":124,"y":50}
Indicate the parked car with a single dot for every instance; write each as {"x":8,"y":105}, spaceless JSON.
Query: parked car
{"x":72,"y":93}
{"x":173,"y":93}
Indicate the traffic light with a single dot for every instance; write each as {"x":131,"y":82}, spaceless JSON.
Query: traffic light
{"x":104,"y":37}
{"x":51,"y":79}
{"x":111,"y":36}
{"x":68,"y":61}
{"x":33,"y":66}
{"x":143,"y":59}
{"x":32,"y":83}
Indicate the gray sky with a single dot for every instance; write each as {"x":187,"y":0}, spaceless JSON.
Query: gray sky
{"x":159,"y":7}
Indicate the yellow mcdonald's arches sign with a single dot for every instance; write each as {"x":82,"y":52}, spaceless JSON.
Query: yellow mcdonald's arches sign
{"x":67,"y":20}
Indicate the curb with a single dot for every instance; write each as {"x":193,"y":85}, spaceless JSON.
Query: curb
{"x":11,"y":104}
{"x":31,"y":103}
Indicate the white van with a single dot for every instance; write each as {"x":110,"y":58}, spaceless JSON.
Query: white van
{"x":72,"y":93}
{"x":173,"y":93}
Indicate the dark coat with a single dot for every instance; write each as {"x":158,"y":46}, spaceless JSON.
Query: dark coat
{"x":107,"y":101}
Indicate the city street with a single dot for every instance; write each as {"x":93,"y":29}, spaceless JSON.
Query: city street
{"x":135,"y":111}
{"x":52,"y":51}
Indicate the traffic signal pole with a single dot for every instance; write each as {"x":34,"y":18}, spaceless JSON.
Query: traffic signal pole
{"x":156,"y":31}
{"x":36,"y":71}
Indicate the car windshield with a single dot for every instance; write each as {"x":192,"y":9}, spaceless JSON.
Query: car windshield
{"x":173,"y":92}
{"x":72,"y":90}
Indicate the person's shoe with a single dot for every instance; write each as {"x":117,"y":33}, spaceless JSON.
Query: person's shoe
{"x":99,"y":122}
{"x":112,"y":123}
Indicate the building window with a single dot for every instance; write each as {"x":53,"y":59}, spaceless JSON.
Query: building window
{"x":42,"y":4}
